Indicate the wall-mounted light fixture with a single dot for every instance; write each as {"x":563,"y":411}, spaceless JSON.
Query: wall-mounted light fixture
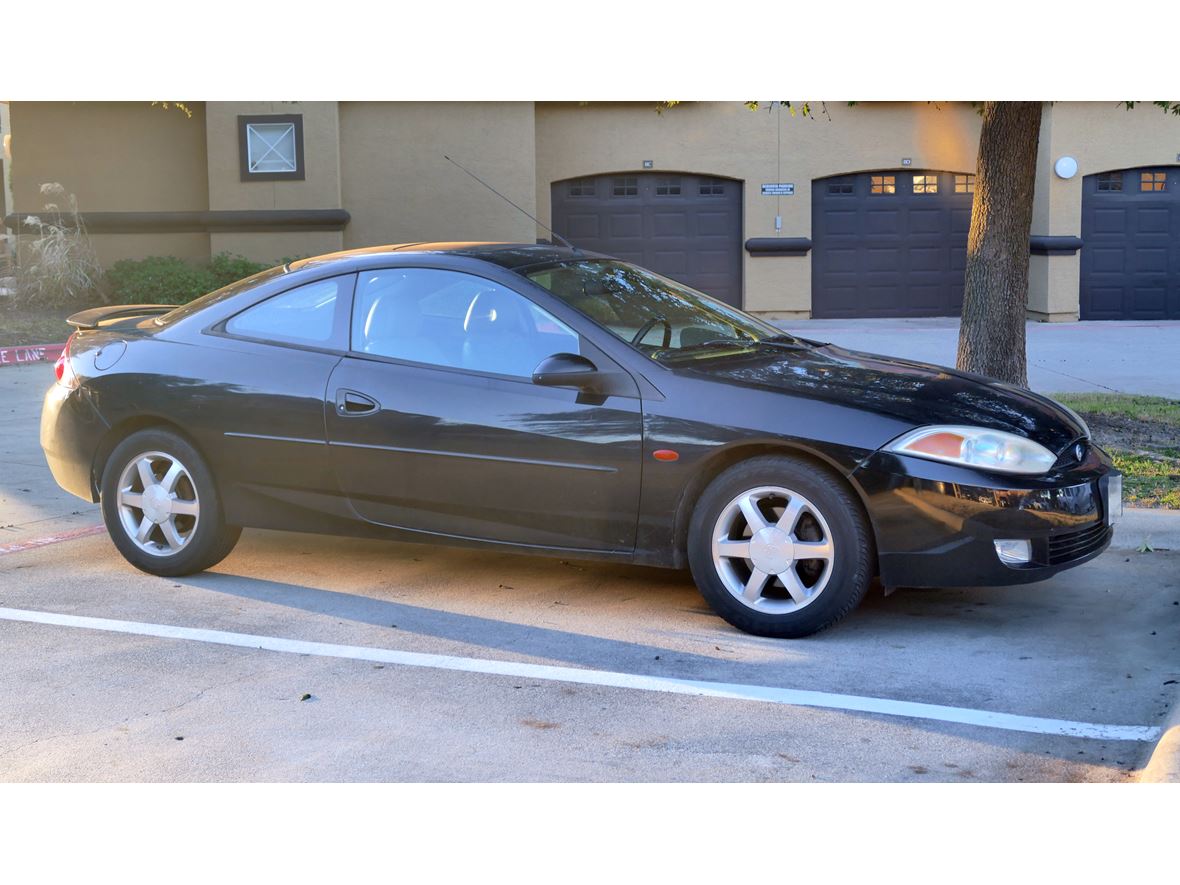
{"x":1066,"y":167}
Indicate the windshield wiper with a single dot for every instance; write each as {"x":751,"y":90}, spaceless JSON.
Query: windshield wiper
{"x":792,"y":343}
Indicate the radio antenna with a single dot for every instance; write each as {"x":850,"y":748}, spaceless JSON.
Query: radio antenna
{"x":556,"y":235}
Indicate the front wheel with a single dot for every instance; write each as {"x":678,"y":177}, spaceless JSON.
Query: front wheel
{"x":161,"y":505}
{"x":780,"y":548}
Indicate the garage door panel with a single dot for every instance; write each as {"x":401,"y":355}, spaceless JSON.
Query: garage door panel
{"x":841,"y":221}
{"x":1152,"y":221}
{"x":669,"y":224}
{"x":928,"y":220}
{"x":625,"y":226}
{"x":582,"y":227}
{"x":837,"y":260}
{"x":1107,"y":259}
{"x":1107,"y":299}
{"x":1149,"y":302}
{"x":882,"y":260}
{"x":1151,"y":260}
{"x":694,"y":236}
{"x":929,"y":297}
{"x":714,"y":224}
{"x":673,"y":263}
{"x":1110,"y":221}
{"x":930,"y":259}
{"x":882,"y":221}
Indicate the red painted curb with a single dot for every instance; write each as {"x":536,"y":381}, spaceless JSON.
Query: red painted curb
{"x":18,"y":355}
{"x":18,"y":546}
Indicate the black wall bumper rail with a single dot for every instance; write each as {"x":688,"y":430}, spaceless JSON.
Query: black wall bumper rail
{"x":1041,"y":244}
{"x":778,"y":246}
{"x":226,"y":220}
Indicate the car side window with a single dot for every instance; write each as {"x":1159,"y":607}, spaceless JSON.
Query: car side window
{"x":454,"y":319}
{"x":304,"y":315}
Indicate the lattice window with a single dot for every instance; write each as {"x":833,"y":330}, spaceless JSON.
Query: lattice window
{"x":925,"y":184}
{"x":271,"y":147}
{"x":964,"y":184}
{"x":712,"y":187}
{"x":1153,"y":181}
{"x":1110,"y":181}
{"x":667,"y":187}
{"x":625,"y":187}
{"x":882,"y":184}
{"x":582,"y":187}
{"x":841,"y":187}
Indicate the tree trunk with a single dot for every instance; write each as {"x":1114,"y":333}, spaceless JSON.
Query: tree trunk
{"x":995,"y":295}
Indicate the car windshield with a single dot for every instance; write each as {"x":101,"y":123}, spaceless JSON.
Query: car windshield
{"x":662,"y":318}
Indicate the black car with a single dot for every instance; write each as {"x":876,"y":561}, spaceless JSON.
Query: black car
{"x":552,"y":401}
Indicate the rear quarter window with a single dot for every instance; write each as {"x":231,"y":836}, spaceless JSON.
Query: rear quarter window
{"x":307,"y":315}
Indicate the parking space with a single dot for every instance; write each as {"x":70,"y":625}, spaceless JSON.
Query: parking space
{"x":431,"y":663}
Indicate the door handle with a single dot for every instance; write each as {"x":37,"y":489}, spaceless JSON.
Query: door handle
{"x":351,"y":404}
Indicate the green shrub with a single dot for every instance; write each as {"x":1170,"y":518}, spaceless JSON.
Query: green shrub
{"x":170,"y":280}
{"x":158,"y":280}
{"x":228,"y":268}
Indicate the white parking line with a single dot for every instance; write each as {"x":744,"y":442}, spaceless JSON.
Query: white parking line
{"x":762,"y":693}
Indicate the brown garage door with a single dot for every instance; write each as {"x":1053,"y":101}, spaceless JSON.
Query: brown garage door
{"x":687,"y":227}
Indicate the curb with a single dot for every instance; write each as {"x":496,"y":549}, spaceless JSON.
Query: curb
{"x":1158,"y":528}
{"x":1164,"y":765}
{"x":19,"y":354}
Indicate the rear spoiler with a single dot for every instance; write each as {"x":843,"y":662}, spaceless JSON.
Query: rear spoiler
{"x":99,"y":316}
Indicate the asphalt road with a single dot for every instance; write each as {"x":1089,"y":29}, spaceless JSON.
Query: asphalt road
{"x":1097,"y":646}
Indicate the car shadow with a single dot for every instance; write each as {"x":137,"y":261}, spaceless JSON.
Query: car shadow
{"x":547,"y":644}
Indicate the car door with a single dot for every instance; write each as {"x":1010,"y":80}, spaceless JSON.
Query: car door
{"x":434,"y":423}
{"x":257,"y":408}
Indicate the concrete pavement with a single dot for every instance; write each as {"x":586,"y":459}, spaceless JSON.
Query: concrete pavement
{"x":1130,"y":357}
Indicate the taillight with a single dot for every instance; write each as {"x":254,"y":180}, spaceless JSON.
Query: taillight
{"x":64,"y":371}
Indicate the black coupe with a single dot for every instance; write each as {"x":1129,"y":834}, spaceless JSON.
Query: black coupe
{"x":549,"y":400}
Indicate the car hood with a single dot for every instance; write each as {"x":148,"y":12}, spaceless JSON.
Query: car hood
{"x":918,"y":393}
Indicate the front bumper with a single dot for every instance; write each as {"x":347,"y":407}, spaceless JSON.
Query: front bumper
{"x":936,"y":524}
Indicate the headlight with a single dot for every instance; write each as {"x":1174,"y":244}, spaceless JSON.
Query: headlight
{"x":975,"y":447}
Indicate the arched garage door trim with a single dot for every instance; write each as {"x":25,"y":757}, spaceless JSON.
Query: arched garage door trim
{"x":890,"y":242}
{"x":685,"y":225}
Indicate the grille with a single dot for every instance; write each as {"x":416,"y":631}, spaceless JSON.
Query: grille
{"x":1075,"y":545}
{"x":1069,"y":457}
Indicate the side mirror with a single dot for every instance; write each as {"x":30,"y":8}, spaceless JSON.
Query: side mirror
{"x":566,"y":370}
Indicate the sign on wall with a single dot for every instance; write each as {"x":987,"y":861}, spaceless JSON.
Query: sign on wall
{"x":781,"y":189}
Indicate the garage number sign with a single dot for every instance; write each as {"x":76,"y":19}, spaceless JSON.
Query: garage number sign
{"x":781,"y":189}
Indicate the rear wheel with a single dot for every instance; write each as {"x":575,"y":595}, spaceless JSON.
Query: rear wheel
{"x":780,"y":548}
{"x":161,"y":505}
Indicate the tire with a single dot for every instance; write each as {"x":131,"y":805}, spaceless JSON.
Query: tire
{"x":161,"y":505}
{"x":750,"y":566}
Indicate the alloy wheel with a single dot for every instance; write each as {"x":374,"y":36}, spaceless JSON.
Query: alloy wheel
{"x":158,"y":503}
{"x":773,"y":550}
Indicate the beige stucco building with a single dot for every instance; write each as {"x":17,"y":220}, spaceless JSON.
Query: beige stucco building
{"x":855,"y":211}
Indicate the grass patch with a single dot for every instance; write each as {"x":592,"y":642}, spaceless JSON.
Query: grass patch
{"x":1143,"y":408}
{"x":1148,"y":481}
{"x":1142,"y":435}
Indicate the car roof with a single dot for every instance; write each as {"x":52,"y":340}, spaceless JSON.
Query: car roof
{"x":506,"y":255}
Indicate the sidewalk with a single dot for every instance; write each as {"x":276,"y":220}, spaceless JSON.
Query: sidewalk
{"x":1123,"y":357}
